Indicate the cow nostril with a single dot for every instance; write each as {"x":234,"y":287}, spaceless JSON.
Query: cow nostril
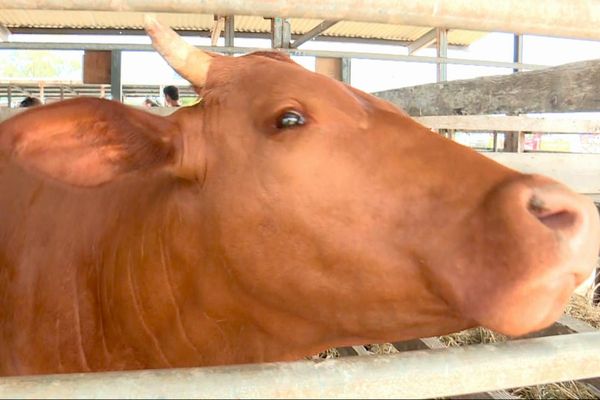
{"x":553,"y":219}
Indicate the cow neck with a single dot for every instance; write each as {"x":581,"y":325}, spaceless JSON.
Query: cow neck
{"x":169,"y":297}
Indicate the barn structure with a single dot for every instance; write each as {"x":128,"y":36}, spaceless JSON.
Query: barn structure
{"x":423,"y":368}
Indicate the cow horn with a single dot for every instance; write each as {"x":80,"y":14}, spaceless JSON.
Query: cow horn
{"x":187,"y":60}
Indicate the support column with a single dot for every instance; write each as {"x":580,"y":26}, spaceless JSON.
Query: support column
{"x":346,"y":70}
{"x":441,"y":46}
{"x":116,"y":87}
{"x":42,"y":94}
{"x":281,"y":34}
{"x":229,"y":30}
{"x":518,"y":50}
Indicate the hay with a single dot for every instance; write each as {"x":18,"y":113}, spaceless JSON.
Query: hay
{"x":565,"y":390}
{"x":581,"y":308}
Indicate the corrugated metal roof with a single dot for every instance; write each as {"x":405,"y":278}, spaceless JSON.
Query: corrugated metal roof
{"x":203,"y":22}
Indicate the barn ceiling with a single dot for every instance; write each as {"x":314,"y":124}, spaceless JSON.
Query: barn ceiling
{"x":203,"y":22}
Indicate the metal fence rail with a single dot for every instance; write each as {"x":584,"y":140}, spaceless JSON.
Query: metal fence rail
{"x":412,"y":374}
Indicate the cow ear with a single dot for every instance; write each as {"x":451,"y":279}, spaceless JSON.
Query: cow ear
{"x":88,"y":142}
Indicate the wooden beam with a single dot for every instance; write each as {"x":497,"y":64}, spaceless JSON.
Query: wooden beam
{"x":511,"y":123}
{"x":423,"y":41}
{"x":217,"y":28}
{"x":566,"y":88}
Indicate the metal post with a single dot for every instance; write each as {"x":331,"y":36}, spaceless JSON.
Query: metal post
{"x":62,"y":93}
{"x":116,"y":87}
{"x":346,"y":70}
{"x":9,"y":95}
{"x":42,"y":95}
{"x":442,"y":52}
{"x":4,"y":33}
{"x":229,"y":30}
{"x":281,"y":34}
{"x":518,"y":50}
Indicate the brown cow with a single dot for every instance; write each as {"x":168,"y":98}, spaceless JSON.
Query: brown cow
{"x":284,"y":214}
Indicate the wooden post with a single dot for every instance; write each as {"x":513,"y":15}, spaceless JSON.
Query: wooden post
{"x":96,"y":66}
{"x":514,"y":141}
{"x":332,"y":67}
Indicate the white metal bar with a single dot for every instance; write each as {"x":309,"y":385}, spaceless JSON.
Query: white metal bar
{"x":578,"y":171}
{"x":313,"y":33}
{"x":575,"y":18}
{"x":361,"y":351}
{"x":413,"y":374}
{"x":511,"y":123}
{"x":441,"y":46}
{"x":294,"y":52}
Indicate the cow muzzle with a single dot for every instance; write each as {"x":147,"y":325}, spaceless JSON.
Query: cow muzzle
{"x":534,"y":242}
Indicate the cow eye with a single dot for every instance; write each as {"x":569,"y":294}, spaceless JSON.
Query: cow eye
{"x":290,"y":119}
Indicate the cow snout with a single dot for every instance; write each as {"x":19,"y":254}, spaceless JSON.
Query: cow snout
{"x":544,"y":239}
{"x":573,"y":219}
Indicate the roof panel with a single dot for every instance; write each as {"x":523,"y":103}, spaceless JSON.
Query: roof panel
{"x":203,"y":22}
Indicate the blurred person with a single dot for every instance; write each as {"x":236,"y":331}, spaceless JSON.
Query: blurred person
{"x":150,"y":103}
{"x":171,"y":96}
{"x":30,"y":101}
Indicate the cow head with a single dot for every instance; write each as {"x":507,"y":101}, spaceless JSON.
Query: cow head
{"x":329,"y":206}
